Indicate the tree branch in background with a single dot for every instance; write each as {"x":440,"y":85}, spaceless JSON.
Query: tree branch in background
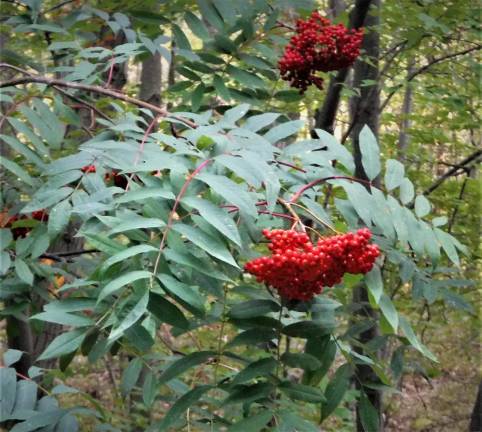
{"x":463,"y":165}
{"x":91,"y":88}
{"x":428,"y":66}
{"x":325,"y":116}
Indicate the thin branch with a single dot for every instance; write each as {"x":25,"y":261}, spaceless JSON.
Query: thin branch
{"x":94,"y":89}
{"x":424,"y":68}
{"x":473,"y":158}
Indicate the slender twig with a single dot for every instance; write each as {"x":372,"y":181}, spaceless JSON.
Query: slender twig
{"x":424,"y":68}
{"x":54,"y":255}
{"x":170,"y":219}
{"x":313,"y":183}
{"x":94,"y":89}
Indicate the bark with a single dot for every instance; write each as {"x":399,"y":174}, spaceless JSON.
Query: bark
{"x":151,"y":75}
{"x":336,"y":8}
{"x":325,"y":116}
{"x":476,"y":417}
{"x":404,"y":137}
{"x":365,"y":110}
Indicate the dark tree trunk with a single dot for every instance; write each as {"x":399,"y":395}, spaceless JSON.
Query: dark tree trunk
{"x":325,"y":116}
{"x":476,"y":418}
{"x":365,"y":110}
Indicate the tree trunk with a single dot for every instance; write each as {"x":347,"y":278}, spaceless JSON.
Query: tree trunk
{"x":365,"y":110}
{"x":404,"y":137}
{"x":476,"y":418}
{"x":151,"y":75}
{"x":325,"y":116}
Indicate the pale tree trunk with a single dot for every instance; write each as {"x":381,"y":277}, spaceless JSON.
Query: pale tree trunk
{"x":151,"y":75}
{"x":404,"y":137}
{"x":365,"y":110}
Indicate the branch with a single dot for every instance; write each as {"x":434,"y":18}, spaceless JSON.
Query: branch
{"x":452,"y":171}
{"x":428,"y":66}
{"x":94,"y":89}
{"x":325,"y":117}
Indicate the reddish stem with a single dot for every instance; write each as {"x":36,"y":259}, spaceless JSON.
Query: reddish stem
{"x":111,"y":73}
{"x":170,"y":219}
{"x":290,"y":165}
{"x":298,"y":194}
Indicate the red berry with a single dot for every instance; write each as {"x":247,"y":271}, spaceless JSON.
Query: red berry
{"x":318,"y":46}
{"x":299,"y":270}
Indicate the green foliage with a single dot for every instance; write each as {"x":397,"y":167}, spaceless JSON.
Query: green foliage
{"x":166,"y":250}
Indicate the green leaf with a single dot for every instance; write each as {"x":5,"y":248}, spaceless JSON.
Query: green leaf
{"x":307,"y":329}
{"x":336,"y":150}
{"x":11,"y":356}
{"x":16,"y":170}
{"x":407,"y":191}
{"x":394,"y":174}
{"x":59,"y":217}
{"x":439,"y":221}
{"x":183,"y":364}
{"x":283,"y":130}
{"x":370,"y":153}
{"x":301,"y":361}
{"x":40,"y":245}
{"x":5,"y":262}
{"x":253,"y":337}
{"x":167,"y":312}
{"x":302,"y":392}
{"x":448,"y":245}
{"x":63,"y":344}
{"x":196,"y":26}
{"x":8,"y":380}
{"x":335,"y":390}
{"x":232,"y":115}
{"x":181,"y":40}
{"x":137,"y":223}
{"x":46,"y":199}
{"x":389,"y":311}
{"x":5,"y":238}
{"x":127,"y":253}
{"x":368,"y":414}
{"x":217,"y":217}
{"x":422,"y":206}
{"x":23,"y":271}
{"x":231,"y":192}
{"x":260,"y":121}
{"x":181,"y":405}
{"x":126,"y":279}
{"x":195,"y":263}
{"x":374,"y":283}
{"x":131,"y":375}
{"x":248,"y":79}
{"x":262,"y":367}
{"x":221,"y":88}
{"x":26,"y":397}
{"x":104,"y":244}
{"x":413,"y":340}
{"x":210,"y":14}
{"x":131,"y":318}
{"x":23,"y":149}
{"x":253,"y":423}
{"x":63,"y":318}
{"x":249,"y":393}
{"x":253,"y":308}
{"x":144,"y":193}
{"x":186,"y":293}
{"x":197,"y":96}
{"x":361,"y":200}
{"x":210,"y":244}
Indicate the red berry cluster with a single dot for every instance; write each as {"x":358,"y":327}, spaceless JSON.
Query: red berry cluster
{"x":299,"y":270}
{"x":88,"y":169}
{"x":20,"y":232}
{"x":318,"y":46}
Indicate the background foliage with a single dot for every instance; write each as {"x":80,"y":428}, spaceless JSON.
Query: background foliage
{"x":129,"y":301}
